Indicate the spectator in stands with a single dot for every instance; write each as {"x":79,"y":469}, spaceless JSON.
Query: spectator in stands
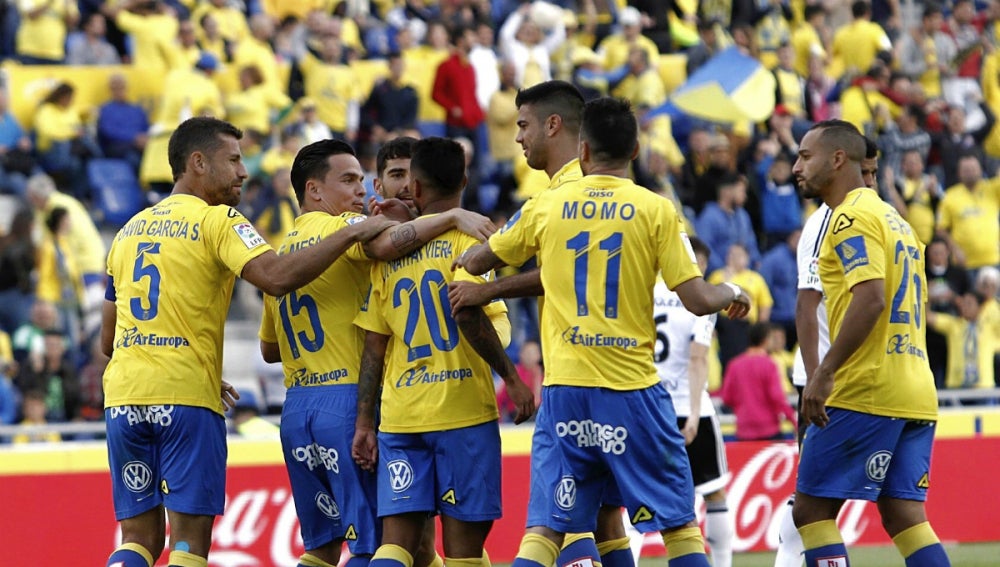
{"x":720,"y":169}
{"x":84,"y":244}
{"x":230,"y":21}
{"x":780,"y":270}
{"x":856,"y":46}
{"x":614,"y":48}
{"x":184,"y":52}
{"x":92,"y":48}
{"x":733,"y":332}
{"x":333,"y":86}
{"x":791,"y":91}
{"x":819,"y":87}
{"x":641,"y":85}
{"x":484,"y":60}
{"x":927,"y":52}
{"x":525,"y":44}
{"x":725,"y":222}
{"x":16,"y":159}
{"x":63,"y":143}
{"x":706,"y":48}
{"x":272,"y":208}
{"x":969,"y":218}
{"x":152,"y":27}
{"x":256,"y":105}
{"x":391,"y":108}
{"x":920,"y":192}
{"x":91,"y":384}
{"x":780,"y":204}
{"x":211,"y":39}
{"x":28,"y":342}
{"x":311,"y":128}
{"x":945,"y":283}
{"x":34,"y":410}
{"x":255,"y":49}
{"x":972,"y":343}
{"x":282,"y":155}
{"x":773,"y":30}
{"x":903,"y":135}
{"x":957,"y":141}
{"x":697,"y":159}
{"x":807,"y":39}
{"x":752,"y":388}
{"x":57,"y":379}
{"x":122,"y":127}
{"x":41,"y":35}
{"x":10,"y":398}
{"x":501,"y":123}
{"x":966,"y":28}
{"x":17,"y":265}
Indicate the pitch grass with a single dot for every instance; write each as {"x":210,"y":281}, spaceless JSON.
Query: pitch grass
{"x":965,"y":555}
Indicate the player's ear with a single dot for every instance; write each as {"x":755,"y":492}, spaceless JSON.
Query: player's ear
{"x":584,"y":151}
{"x":635,"y":151}
{"x":377,"y":185}
{"x":553,"y":123}
{"x":198,"y":162}
{"x":415,"y":188}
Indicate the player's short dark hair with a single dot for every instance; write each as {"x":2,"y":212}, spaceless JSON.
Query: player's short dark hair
{"x":758,"y":333}
{"x":860,"y":8}
{"x":199,"y":134}
{"x":312,"y":162}
{"x":841,"y":135}
{"x":554,"y":97}
{"x":439,"y":165}
{"x":812,"y":10}
{"x":699,"y":247}
{"x":396,"y":148}
{"x":871,"y":148}
{"x":610,"y":129}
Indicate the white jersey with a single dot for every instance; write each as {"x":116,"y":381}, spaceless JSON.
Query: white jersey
{"x":676,"y":329}
{"x":807,"y":257}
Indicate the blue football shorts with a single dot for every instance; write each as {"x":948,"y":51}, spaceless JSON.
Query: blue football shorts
{"x":454,"y":472}
{"x":170,"y":455}
{"x":594,"y":446}
{"x":334,"y":498}
{"x":863,"y":456}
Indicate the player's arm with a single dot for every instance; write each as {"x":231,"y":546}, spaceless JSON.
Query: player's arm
{"x":478,"y":260}
{"x":467,"y":294}
{"x":702,"y":298}
{"x":401,"y":240}
{"x":697,"y":378}
{"x":364,"y":449}
{"x":109,"y":319}
{"x":863,"y":311}
{"x":270,"y":351}
{"x":807,"y":327}
{"x":479,"y":331}
{"x":277,"y":275}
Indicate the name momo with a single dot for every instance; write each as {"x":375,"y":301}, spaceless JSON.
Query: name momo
{"x":608,"y":210}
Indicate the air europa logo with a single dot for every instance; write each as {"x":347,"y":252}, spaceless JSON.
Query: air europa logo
{"x":574,"y":336}
{"x":133,"y":337}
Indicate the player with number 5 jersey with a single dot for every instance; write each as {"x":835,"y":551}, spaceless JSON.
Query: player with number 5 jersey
{"x":172,"y":268}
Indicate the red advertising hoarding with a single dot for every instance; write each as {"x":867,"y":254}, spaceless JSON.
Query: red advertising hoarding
{"x":57,"y":512}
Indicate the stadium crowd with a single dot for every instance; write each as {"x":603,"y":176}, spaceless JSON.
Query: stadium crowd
{"x":925,"y":85}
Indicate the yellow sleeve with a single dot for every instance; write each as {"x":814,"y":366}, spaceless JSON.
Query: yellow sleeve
{"x":501,"y":324}
{"x":858,"y":247}
{"x":676,"y":259}
{"x":357,"y":251}
{"x":233,"y":237}
{"x":944,"y":323}
{"x":517,"y":241}
{"x":267,"y":331}
{"x":370,"y":317}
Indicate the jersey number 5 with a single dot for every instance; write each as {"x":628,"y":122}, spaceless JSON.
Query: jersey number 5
{"x":432,"y":295}
{"x":145,"y":267}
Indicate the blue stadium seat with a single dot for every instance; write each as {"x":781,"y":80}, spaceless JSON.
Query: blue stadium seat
{"x":116,"y":191}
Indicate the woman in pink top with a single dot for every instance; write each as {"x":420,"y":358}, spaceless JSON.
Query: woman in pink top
{"x":752,"y":388}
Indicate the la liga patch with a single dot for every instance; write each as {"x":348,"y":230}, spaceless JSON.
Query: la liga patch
{"x":248,"y":234}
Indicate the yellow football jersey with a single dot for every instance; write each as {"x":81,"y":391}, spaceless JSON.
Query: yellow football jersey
{"x":433,"y":378}
{"x":313,"y":326}
{"x":173,"y":266}
{"x":889,"y":374}
{"x":601,"y":241}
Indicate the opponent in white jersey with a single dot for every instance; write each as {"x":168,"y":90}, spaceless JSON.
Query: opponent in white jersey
{"x":681,"y":357}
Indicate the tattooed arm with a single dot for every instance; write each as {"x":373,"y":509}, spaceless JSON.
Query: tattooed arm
{"x":364,"y":449}
{"x":405,"y":238}
{"x":479,"y":331}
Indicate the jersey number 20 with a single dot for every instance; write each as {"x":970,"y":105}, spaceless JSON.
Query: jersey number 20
{"x":432,"y":294}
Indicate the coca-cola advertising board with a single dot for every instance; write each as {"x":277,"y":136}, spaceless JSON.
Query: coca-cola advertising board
{"x":57,"y":503}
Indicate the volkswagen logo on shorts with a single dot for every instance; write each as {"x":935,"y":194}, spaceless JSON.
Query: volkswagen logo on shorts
{"x":400,"y":475}
{"x":136,"y":476}
{"x":878,"y":465}
{"x":566,"y":493}
{"x":327,"y":505}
